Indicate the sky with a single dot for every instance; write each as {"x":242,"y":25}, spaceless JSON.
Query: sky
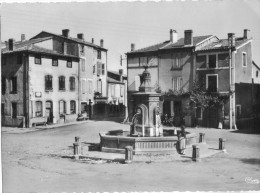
{"x":142,"y":23}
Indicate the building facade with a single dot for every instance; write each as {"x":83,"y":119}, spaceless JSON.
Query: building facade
{"x":171,"y":65}
{"x":39,"y":85}
{"x":220,"y":66}
{"x":92,"y":68}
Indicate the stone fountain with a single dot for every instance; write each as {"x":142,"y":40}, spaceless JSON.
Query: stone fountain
{"x":146,"y":132}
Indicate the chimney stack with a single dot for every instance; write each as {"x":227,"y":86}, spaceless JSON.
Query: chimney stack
{"x":173,"y":36}
{"x":231,"y":40}
{"x":22,"y":37}
{"x":80,"y":36}
{"x":188,"y":37}
{"x":132,"y":47}
{"x":11,"y":44}
{"x":245,"y":33}
{"x":92,"y":40}
{"x":101,"y":43}
{"x":65,"y":33}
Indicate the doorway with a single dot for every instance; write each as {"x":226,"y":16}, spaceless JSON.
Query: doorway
{"x":49,"y":112}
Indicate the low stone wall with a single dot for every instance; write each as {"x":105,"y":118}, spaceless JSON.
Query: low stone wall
{"x":142,"y":145}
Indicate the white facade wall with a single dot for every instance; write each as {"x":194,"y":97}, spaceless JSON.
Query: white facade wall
{"x":37,"y":74}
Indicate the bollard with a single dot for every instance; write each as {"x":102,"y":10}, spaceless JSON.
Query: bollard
{"x":202,"y":138}
{"x":222,"y":144}
{"x":128,"y":154}
{"x":77,"y":139}
{"x":195,"y":153}
{"x":77,"y":150}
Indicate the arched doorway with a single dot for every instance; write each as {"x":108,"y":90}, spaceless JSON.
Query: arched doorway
{"x":49,"y":112}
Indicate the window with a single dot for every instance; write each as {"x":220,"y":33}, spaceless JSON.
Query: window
{"x":98,"y":54}
{"x":38,"y":111}
{"x":72,"y":107}
{"x":19,"y":59}
{"x":14,"y":110}
{"x":83,"y":65}
{"x":121,"y":91}
{"x":177,"y":83}
{"x":62,"y":83}
{"x":99,"y":86}
{"x":81,"y":49}
{"x":54,"y":62}
{"x":178,"y":61}
{"x":14,"y":84}
{"x":69,"y":63}
{"x":201,"y":61}
{"x":256,"y":74}
{"x":37,"y":59}
{"x":199,"y":113}
{"x":48,"y":82}
{"x":62,"y":107}
{"x":238,"y":111}
{"x":83,"y":86}
{"x":212,"y":61}
{"x":3,"y":60}
{"x":99,"y":65}
{"x":212,"y":82}
{"x":94,"y":69}
{"x":244,"y":59}
{"x":103,"y":69}
{"x":90,"y":86}
{"x":72,"y":83}
{"x":112,"y":87}
{"x":3,"y":85}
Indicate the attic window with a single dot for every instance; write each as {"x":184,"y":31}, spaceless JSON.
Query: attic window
{"x":69,"y":63}
{"x":98,"y":54}
{"x":37,"y":59}
{"x":244,"y":59}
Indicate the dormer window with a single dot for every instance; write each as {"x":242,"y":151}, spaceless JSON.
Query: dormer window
{"x":54,"y":62}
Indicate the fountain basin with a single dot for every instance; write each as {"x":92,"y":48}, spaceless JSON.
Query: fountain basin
{"x":141,"y":145}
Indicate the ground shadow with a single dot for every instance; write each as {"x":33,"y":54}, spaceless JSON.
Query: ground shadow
{"x":253,"y":161}
{"x":247,"y":131}
{"x":213,"y":148}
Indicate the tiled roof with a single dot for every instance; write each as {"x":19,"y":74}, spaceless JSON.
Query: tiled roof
{"x":151,"y":48}
{"x":169,"y":45}
{"x":180,"y":42}
{"x":115,"y":72}
{"x":18,"y":44}
{"x":73,"y":39}
{"x":28,"y":45}
{"x":222,"y":44}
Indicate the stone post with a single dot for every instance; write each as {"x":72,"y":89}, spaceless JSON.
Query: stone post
{"x":77,"y":149}
{"x":195,"y":153}
{"x":128,"y":154}
{"x":202,"y":138}
{"x":222,"y":144}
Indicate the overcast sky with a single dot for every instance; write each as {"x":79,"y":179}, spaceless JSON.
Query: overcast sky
{"x":144,"y":24}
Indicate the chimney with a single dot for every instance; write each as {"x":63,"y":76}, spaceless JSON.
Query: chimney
{"x":132,"y":47}
{"x":80,"y":36}
{"x":11,"y":44}
{"x":231,"y":40}
{"x":173,"y":36}
{"x":65,"y":33}
{"x":121,"y":74}
{"x":188,"y":37}
{"x":22,"y":37}
{"x":92,"y":40}
{"x":245,"y":33}
{"x":101,"y":43}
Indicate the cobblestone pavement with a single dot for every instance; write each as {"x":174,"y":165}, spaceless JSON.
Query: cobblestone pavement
{"x":37,"y":161}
